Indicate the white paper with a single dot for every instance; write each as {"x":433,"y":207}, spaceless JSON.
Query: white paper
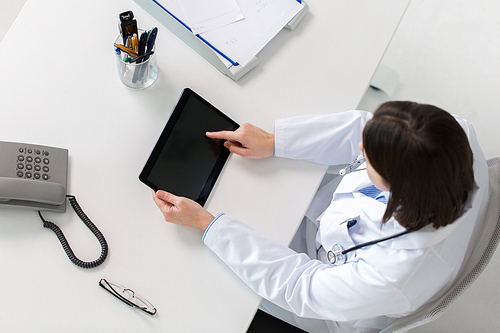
{"x":174,"y":8}
{"x":243,"y":40}
{"x":202,"y":16}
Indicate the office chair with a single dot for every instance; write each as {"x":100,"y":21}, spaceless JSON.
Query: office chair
{"x":481,"y":249}
{"x":484,"y":242}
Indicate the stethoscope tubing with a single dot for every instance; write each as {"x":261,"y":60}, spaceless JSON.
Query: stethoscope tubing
{"x":359,"y":246}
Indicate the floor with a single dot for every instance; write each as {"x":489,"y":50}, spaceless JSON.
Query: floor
{"x":446,"y":53}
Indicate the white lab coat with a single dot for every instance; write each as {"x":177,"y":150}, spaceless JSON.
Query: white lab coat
{"x":378,"y":283}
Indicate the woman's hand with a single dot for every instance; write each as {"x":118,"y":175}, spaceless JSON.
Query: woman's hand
{"x":182,"y":211}
{"x":248,"y":141}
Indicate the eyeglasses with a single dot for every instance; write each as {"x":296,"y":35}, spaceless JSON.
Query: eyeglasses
{"x":128,"y":296}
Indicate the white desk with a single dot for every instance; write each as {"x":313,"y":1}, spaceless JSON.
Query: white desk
{"x":60,"y":88}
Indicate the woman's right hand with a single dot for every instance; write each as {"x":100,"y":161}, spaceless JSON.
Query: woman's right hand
{"x":248,"y":141}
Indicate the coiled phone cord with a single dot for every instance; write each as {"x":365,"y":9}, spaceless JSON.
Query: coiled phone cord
{"x":65,"y":244}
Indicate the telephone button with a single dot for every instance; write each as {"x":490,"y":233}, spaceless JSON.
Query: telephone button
{"x":36,"y":175}
{"x":30,"y":151}
{"x":37,"y":152}
{"x":45,"y":169}
{"x":38,"y":159}
{"x":20,"y":166}
{"x":20,"y":158}
{"x":45,"y":176}
{"x":38,"y":168}
{"x":20,"y":174}
{"x":29,"y":159}
{"x":29,"y":167}
{"x":21,"y":150}
{"x":46,"y":161}
{"x":28,"y":175}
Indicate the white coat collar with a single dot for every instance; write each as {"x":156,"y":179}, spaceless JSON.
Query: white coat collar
{"x":423,"y":238}
{"x":355,"y":181}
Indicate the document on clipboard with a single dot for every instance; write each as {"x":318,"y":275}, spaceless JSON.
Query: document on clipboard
{"x":239,"y":42}
{"x":203,"y":16}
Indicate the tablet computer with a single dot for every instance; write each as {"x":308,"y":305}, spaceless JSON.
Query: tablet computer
{"x":184,"y":161}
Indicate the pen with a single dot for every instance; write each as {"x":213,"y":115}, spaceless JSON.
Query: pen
{"x":152,"y":39}
{"x":142,"y":44}
{"x":128,"y":43}
{"x":149,"y":50}
{"x":141,"y":50}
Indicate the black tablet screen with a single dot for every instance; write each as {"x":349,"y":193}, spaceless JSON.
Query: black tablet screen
{"x":185,"y":161}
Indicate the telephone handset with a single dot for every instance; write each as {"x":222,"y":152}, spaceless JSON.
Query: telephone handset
{"x":36,"y":177}
{"x":33,"y":176}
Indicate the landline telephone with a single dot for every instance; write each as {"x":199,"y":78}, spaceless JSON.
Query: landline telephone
{"x":35,"y":177}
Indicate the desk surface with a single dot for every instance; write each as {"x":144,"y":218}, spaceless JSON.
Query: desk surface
{"x":60,"y":88}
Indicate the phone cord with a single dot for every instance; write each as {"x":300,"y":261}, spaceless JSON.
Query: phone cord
{"x":65,"y":244}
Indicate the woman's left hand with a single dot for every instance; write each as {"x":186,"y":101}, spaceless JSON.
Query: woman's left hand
{"x":182,"y":211}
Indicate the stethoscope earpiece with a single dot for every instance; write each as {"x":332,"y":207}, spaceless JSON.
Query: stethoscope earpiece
{"x":351,"y":166}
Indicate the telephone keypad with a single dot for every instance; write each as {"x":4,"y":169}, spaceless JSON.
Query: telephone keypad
{"x":25,"y":164}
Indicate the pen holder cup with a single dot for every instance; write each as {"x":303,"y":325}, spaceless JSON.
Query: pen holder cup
{"x":138,"y":74}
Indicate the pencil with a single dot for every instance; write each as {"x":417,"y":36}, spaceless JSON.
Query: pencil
{"x":127,"y":50}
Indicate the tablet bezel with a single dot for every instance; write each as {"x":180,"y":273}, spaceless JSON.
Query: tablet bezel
{"x":187,"y":93}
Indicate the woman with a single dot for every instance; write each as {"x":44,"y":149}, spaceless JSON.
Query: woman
{"x":432,"y":179}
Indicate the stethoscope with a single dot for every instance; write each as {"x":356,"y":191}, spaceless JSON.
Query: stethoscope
{"x":337,"y":255}
{"x":353,"y":166}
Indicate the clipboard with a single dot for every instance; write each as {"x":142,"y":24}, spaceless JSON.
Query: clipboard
{"x":203,"y":47}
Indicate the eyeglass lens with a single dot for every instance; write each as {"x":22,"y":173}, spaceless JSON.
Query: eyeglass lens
{"x":128,"y":296}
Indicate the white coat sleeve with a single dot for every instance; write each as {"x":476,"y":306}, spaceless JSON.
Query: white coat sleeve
{"x":308,"y":288}
{"x":329,"y":139}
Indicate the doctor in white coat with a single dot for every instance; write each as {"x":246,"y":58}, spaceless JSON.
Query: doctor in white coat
{"x":364,"y":255}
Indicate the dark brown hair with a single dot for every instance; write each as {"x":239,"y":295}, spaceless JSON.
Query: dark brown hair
{"x":424,"y":156}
